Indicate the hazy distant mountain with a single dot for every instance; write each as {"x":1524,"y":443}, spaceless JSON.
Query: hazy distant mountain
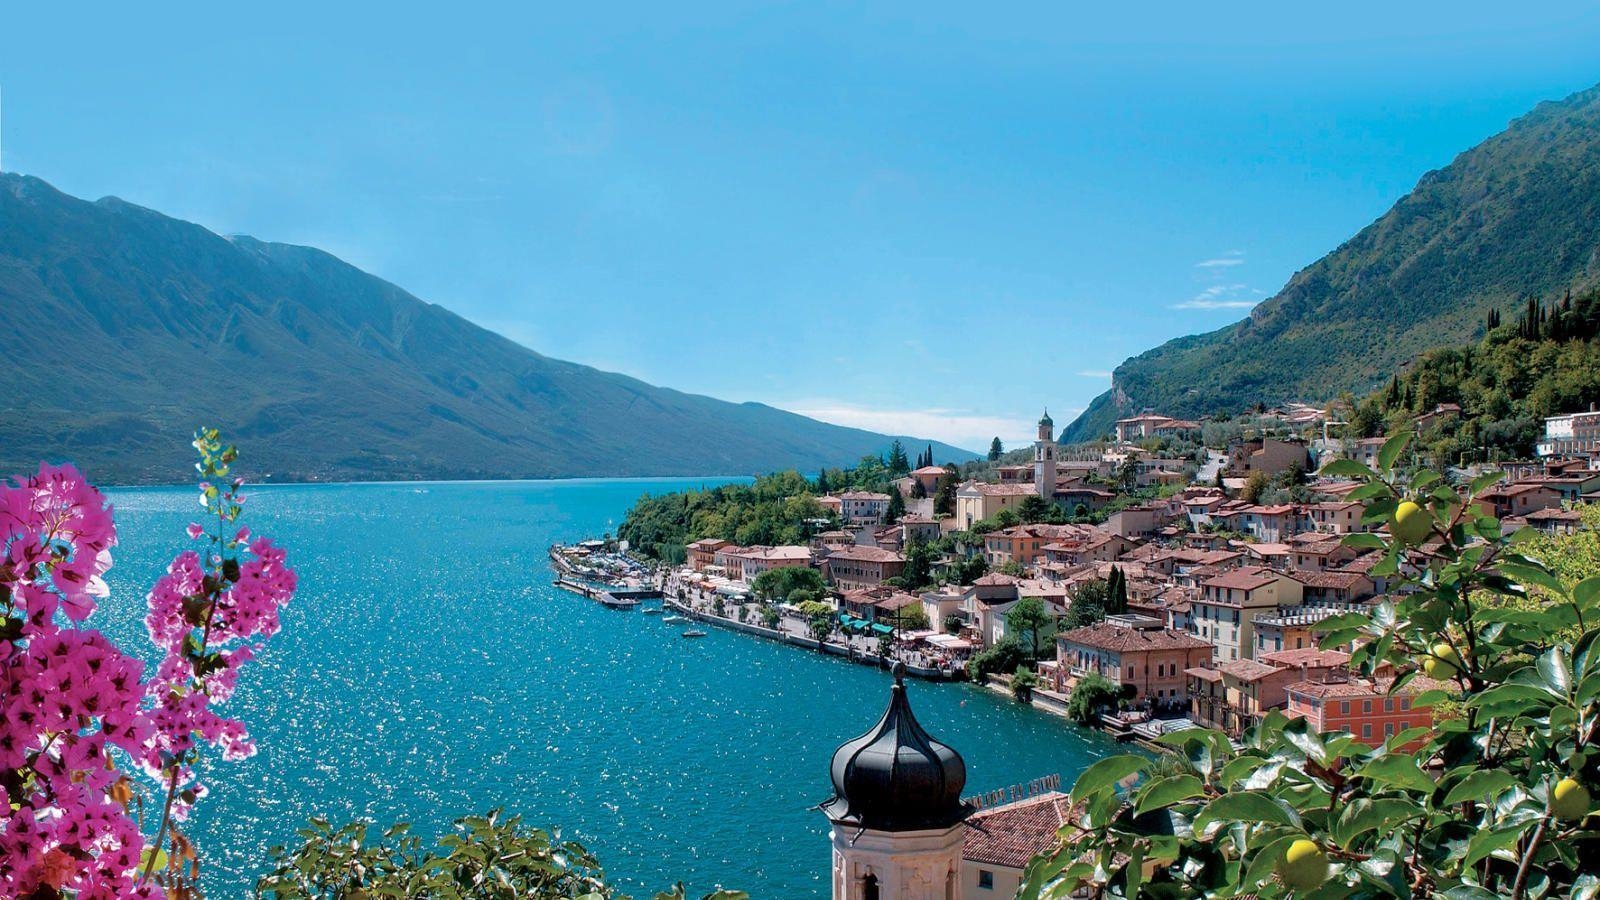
{"x":124,"y":329}
{"x":1518,"y":214}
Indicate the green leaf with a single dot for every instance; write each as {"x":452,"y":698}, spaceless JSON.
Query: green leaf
{"x":1106,"y":773}
{"x":1364,"y":540}
{"x":1167,"y":791}
{"x":1586,"y":592}
{"x":1399,"y":771}
{"x":1391,"y":450}
{"x":1511,"y":693}
{"x":1370,"y":490}
{"x":1469,"y":892}
{"x":1481,"y":784}
{"x":1488,"y":841}
{"x":1533,"y":575}
{"x":1246,"y":806}
{"x":1347,"y":468}
{"x":1383,"y":815}
{"x":1483,"y":481}
{"x":1266,"y":861}
{"x":1556,"y":670}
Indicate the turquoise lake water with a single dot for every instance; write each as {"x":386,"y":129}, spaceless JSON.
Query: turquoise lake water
{"x":428,"y":669}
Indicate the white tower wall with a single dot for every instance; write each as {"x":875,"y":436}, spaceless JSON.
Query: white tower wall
{"x":908,"y":865}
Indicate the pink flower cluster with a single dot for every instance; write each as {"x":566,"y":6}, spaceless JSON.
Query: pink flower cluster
{"x":75,"y":706}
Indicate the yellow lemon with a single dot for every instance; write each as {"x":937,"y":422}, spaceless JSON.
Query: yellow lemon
{"x":1443,"y":664}
{"x":1410,"y":523}
{"x":1569,"y":800}
{"x":1304,"y":866}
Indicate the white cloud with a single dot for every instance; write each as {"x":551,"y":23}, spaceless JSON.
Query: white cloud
{"x":960,"y":428}
{"x":1223,"y":296}
{"x":1199,"y":303}
{"x":1094,"y":373}
{"x":1231,"y":258}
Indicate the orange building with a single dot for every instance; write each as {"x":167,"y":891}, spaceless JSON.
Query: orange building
{"x":703,"y":553}
{"x":1136,"y":651}
{"x":1359,"y":706}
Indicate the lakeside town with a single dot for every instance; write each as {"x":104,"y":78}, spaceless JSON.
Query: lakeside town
{"x":1183,"y":589}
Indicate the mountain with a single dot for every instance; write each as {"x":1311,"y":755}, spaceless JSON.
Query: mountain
{"x":125,"y":329}
{"x":1515,"y":216}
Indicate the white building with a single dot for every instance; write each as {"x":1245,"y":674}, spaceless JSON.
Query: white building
{"x":863,"y":507}
{"x":1574,"y":434}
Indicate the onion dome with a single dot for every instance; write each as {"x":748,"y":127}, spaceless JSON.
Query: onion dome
{"x":1046,"y":421}
{"x":896,"y":777}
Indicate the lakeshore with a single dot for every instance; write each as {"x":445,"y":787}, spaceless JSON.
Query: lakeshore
{"x":695,"y":604}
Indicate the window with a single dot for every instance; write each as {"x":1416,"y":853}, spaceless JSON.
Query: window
{"x":1388,"y":704}
{"x":985,"y":880}
{"x":1366,"y":730}
{"x":1344,"y":707}
{"x":1388,"y":729}
{"x":1366,"y":706}
{"x":1405,"y":703}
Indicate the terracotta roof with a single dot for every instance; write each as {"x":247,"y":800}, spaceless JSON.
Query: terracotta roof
{"x":1248,"y":670}
{"x":857,"y":553}
{"x":1363,"y":563}
{"x":771,"y":552}
{"x":897,"y":601}
{"x":863,"y":495}
{"x":930,"y":470}
{"x":1245,"y":579}
{"x":1361,"y":688}
{"x":1011,"y":835}
{"x":1279,"y":510}
{"x":1105,"y":636}
{"x":1000,"y":490}
{"x":1267,"y":549}
{"x":1562,"y":515}
{"x":1311,"y":657}
{"x":1337,"y":579}
{"x":996,"y":579}
{"x":1204,"y":673}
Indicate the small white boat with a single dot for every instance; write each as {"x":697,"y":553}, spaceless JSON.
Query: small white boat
{"x":651,"y":610}
{"x":694,"y":632}
{"x":673,"y":619}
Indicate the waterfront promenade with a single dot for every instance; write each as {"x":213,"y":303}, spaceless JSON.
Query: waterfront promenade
{"x":795,"y":630}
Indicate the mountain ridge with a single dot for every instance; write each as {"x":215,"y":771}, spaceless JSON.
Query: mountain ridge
{"x":321,"y":371}
{"x":1516,"y":214}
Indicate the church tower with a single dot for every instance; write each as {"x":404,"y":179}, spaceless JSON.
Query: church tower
{"x":898,"y":820}
{"x":1044,"y":459}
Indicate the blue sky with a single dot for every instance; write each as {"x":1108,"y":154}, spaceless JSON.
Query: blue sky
{"x":919,"y":218}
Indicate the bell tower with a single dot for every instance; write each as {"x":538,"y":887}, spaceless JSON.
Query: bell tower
{"x":897,"y":816}
{"x":1044,"y":459}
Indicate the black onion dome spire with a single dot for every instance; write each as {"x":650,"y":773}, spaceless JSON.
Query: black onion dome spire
{"x":896,"y":777}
